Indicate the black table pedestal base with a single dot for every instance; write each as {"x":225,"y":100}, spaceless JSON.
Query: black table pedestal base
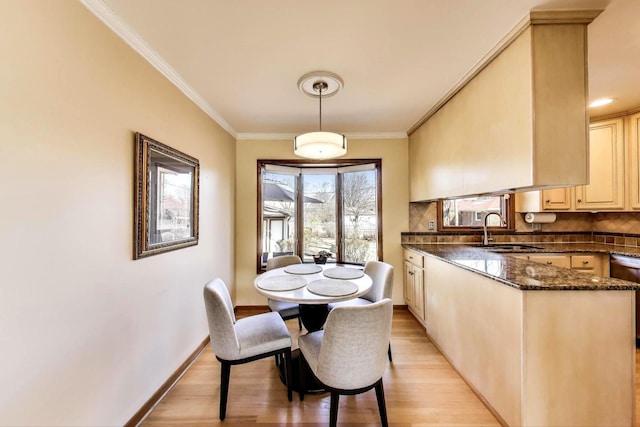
{"x":313,"y":317}
{"x":312,"y":386}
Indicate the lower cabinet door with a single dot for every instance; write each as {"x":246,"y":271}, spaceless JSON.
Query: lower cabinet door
{"x":418,"y":293}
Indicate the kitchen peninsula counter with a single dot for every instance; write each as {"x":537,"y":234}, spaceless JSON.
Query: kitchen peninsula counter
{"x":541,"y":345}
{"x":527,"y":275}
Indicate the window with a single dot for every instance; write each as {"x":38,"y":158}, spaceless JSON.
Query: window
{"x":307,"y":208}
{"x":470,"y":212}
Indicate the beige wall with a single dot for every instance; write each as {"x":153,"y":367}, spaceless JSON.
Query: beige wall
{"x":87,"y":334}
{"x":395,"y":201}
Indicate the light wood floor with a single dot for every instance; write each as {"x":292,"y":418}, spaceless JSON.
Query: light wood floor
{"x":421,"y":389}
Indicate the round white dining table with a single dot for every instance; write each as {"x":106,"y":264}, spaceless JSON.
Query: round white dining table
{"x":303,"y":294}
{"x":276,"y":284}
{"x":313,"y":291}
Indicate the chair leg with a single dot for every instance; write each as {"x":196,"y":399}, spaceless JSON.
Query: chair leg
{"x":287,"y":370}
{"x":389,"y":352}
{"x":382,"y":407}
{"x":224,"y":389}
{"x":333,"y":409}
{"x":301,"y":376}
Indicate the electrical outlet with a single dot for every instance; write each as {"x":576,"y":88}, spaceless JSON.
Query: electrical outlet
{"x":432,"y":225}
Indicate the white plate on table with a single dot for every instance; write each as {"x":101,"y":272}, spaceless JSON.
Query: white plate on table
{"x":343,"y":273}
{"x":332,"y":287}
{"x":303,"y":269}
{"x":281,"y":283}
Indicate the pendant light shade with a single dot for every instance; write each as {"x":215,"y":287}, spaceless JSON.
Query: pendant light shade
{"x":320,"y":145}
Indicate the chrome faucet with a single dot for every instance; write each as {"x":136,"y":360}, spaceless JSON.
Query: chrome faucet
{"x":485,"y":239}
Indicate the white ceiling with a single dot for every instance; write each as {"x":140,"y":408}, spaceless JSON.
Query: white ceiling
{"x":240,"y":60}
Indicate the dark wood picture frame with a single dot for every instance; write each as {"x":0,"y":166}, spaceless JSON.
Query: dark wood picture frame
{"x":167,"y":184}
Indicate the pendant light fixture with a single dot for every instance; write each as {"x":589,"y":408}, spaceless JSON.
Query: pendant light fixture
{"x":321,"y":144}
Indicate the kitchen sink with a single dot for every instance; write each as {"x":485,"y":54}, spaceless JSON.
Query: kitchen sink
{"x":511,"y":247}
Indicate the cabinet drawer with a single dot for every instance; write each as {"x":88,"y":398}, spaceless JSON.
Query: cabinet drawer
{"x":414,"y":258}
{"x":557,"y":260}
{"x":584,"y":262}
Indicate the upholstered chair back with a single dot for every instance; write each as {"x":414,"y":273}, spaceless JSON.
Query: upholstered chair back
{"x":354,"y":345}
{"x":282,"y":261}
{"x":221,"y":318}
{"x":381,"y":274}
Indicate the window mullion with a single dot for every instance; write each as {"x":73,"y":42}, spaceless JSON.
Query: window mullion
{"x":339,"y":219}
{"x":300,"y":217}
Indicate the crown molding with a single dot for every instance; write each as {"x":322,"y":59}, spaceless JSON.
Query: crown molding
{"x":115,"y":23}
{"x":563,"y":16}
{"x":286,"y":136}
{"x":377,"y":135}
{"x":265,"y":136}
{"x":616,"y":115}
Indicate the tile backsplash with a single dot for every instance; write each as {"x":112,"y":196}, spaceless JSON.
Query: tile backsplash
{"x":420,"y":214}
{"x":617,"y":222}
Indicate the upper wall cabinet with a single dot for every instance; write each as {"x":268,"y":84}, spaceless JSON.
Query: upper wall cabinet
{"x":606,"y":169}
{"x":633,"y":163}
{"x":515,"y":121}
{"x":608,"y":173}
{"x":557,"y":199}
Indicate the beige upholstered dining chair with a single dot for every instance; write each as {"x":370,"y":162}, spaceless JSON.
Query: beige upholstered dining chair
{"x":381,"y":274}
{"x":244,"y":340}
{"x":348,"y":356}
{"x":286,"y":310}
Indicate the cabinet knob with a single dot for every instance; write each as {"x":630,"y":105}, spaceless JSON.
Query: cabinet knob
{"x":549,"y":262}
{"x":547,"y":201}
{"x":585,"y":262}
{"x":579,"y":200}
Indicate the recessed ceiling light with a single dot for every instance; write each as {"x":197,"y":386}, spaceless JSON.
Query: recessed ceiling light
{"x":600,"y":102}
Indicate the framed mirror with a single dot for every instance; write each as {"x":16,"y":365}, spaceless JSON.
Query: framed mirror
{"x":166,"y":198}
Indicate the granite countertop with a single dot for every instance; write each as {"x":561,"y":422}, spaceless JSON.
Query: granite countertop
{"x":528,"y":275}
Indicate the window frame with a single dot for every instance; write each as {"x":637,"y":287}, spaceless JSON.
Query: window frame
{"x":508,"y":216}
{"x":301,"y":163}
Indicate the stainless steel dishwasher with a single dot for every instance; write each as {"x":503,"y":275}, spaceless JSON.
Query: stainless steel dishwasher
{"x":628,"y":268}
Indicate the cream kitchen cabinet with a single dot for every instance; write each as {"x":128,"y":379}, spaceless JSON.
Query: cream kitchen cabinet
{"x":500,"y":130}
{"x":606,"y":168}
{"x":414,"y":294}
{"x":593,"y":263}
{"x":596,"y":264}
{"x":559,"y":260}
{"x":606,"y":188}
{"x":555,"y":199}
{"x":633,"y":161}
